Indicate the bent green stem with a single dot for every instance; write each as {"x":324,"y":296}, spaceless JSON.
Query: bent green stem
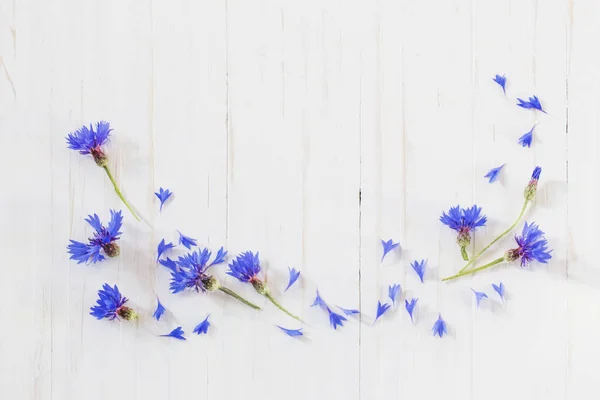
{"x":475,"y":257}
{"x":272,"y":300}
{"x":112,"y":179}
{"x":463,"y":252}
{"x":238,"y":297}
{"x":472,"y":271}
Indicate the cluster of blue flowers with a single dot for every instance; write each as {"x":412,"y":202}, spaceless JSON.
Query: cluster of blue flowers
{"x":192,"y":270}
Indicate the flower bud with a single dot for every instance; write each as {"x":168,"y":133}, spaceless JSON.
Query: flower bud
{"x":531,"y":188}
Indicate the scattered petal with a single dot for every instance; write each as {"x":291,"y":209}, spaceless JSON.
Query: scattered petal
{"x":319,"y":301}
{"x":294,"y":275}
{"x":526,"y":139}
{"x":410,"y":306}
{"x":419,"y":267}
{"x":162,"y":247}
{"x":348,"y":311}
{"x":479,"y":296}
{"x":439,"y":327}
{"x":172,"y":265}
{"x":532,"y":103}
{"x":163,"y":196}
{"x":160,"y":310}
{"x":393,"y":292}
{"x":335,"y":319}
{"x":291,"y":332}
{"x":499,"y":289}
{"x":203,"y":326}
{"x":186,"y":241}
{"x":501,"y":80}
{"x":388,"y":246}
{"x":381,"y":309}
{"x":176,"y":333}
{"x":493,"y":174}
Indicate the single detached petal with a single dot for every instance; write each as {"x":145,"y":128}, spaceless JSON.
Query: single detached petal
{"x":526,"y":139}
{"x":291,"y":332}
{"x":410,"y":307}
{"x":501,"y":80}
{"x":172,"y":265}
{"x":349,"y":312}
{"x":393,"y":292}
{"x":388,"y":246}
{"x":439,"y":327}
{"x":163,"y":196}
{"x":318,"y":301}
{"x":381,"y":309}
{"x":186,"y":241}
{"x":162,"y":247}
{"x":203,"y":326}
{"x":479,"y":296}
{"x":335,"y":319}
{"x":533,"y":104}
{"x":176,"y":333}
{"x":419,"y":268}
{"x":294,"y":275}
{"x":493,"y":174}
{"x":499,"y":289}
{"x":160,"y":310}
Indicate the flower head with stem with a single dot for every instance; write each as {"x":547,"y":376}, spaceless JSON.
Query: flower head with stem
{"x":245,"y":268}
{"x":191,"y":272}
{"x":111,"y":305}
{"x":529,"y":195}
{"x":90,"y":141}
{"x":104,"y":238}
{"x":463,"y":221}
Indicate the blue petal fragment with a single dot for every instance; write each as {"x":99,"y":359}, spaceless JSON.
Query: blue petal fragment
{"x":291,"y":332}
{"x":387,"y":247}
{"x":176,"y":333}
{"x":294,"y":275}
{"x":160,"y":310}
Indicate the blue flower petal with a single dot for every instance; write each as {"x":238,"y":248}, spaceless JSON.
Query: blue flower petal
{"x":526,"y":139}
{"x":479,"y":296}
{"x":335,"y":319}
{"x":439,"y":327}
{"x":533,"y":103}
{"x":493,"y":174}
{"x":176,"y":333}
{"x":381,"y":309}
{"x":393,"y":292}
{"x":387,"y":247}
{"x":203,"y":326}
{"x":410,"y":307}
{"x":419,"y":268}
{"x":319,"y":301}
{"x":160,"y":310}
{"x":162,"y":247}
{"x":172,"y":265}
{"x":499,"y":289}
{"x":220,"y":257}
{"x":294,"y":275}
{"x":291,"y":332}
{"x":501,"y":80}
{"x":349,"y":311}
{"x":186,"y":241}
{"x":163,"y":196}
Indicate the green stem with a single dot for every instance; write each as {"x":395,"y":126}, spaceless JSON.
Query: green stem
{"x":475,"y":257}
{"x":237,"y":296}
{"x":472,"y":271}
{"x":463,"y":252}
{"x":112,"y":179}
{"x":272,"y":300}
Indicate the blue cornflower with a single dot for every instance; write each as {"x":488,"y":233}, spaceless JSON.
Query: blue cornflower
{"x":291,"y":332}
{"x":410,"y":307}
{"x":439,"y":327}
{"x":532,"y":103}
{"x":387,"y":247}
{"x":335,"y":319}
{"x":111,"y":305}
{"x":526,"y":139}
{"x":191,"y":272}
{"x":532,"y":246}
{"x":531,"y":187}
{"x":419,"y":267}
{"x":203,"y":326}
{"x":501,"y":80}
{"x":163,"y":196}
{"x":381,"y":309}
{"x":172,"y":265}
{"x":349,"y":311}
{"x":499,"y":289}
{"x":162,"y":247}
{"x":294,"y":275}
{"x":186,"y":241}
{"x":463,"y":221}
{"x":479,"y":296}
{"x":89,"y":141}
{"x":393,"y":292}
{"x":493,"y":174}
{"x":176,"y":333}
{"x":104,"y":238}
{"x":160,"y":310}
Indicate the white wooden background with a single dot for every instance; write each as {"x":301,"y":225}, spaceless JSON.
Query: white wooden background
{"x":268,"y":119}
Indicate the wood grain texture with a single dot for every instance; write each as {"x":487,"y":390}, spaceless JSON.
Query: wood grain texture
{"x":308,"y":131}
